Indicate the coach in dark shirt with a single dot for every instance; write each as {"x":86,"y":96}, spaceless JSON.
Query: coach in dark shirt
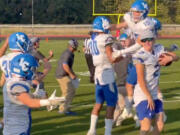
{"x":65,"y":75}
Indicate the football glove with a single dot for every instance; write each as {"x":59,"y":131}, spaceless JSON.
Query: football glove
{"x":52,"y":99}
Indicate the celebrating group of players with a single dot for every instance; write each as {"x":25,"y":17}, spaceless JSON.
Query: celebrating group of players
{"x":19,"y":67}
{"x":143,"y":72}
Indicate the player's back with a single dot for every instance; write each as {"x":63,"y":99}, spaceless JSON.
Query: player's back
{"x":104,"y":72}
{"x":5,"y":63}
{"x":16,"y":115}
{"x":98,"y":50}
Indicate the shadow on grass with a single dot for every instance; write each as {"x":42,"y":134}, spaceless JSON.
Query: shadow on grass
{"x":168,"y":90}
{"x":175,"y":131}
{"x":70,"y":124}
{"x":169,"y":73}
{"x":173,"y":116}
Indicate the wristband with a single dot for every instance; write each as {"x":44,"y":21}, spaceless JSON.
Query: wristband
{"x":44,"y":102}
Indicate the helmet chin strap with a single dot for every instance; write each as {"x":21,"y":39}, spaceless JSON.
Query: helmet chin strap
{"x":20,"y":47}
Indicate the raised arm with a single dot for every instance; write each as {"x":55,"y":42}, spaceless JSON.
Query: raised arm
{"x":4,"y":48}
{"x":27,"y":100}
{"x":118,"y":26}
{"x":109,"y":53}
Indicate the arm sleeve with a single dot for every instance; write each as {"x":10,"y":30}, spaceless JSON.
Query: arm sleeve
{"x":65,"y":59}
{"x":128,"y":50}
{"x":127,"y":18}
{"x":138,"y":58}
{"x":109,"y":40}
{"x":18,"y":89}
{"x":159,"y":49}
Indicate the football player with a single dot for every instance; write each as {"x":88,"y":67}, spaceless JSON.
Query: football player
{"x":148,"y":106}
{"x":18,"y":43}
{"x":138,"y":21}
{"x":106,"y":90}
{"x":17,"y":97}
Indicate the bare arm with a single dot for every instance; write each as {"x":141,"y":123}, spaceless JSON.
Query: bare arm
{"x":69,"y":71}
{"x":168,"y":57}
{"x":28,"y":101}
{"x":3,"y":79}
{"x":129,"y":50}
{"x":174,"y":56}
{"x":47,"y":68}
{"x":109,"y":53}
{"x":119,"y":26}
{"x":4,"y":48}
{"x":142,"y":83}
{"x":50,"y":55}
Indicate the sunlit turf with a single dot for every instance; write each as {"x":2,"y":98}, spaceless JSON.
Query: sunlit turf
{"x":52,"y":123}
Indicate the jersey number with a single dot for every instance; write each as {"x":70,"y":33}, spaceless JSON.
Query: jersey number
{"x":5,"y":66}
{"x":93,"y":47}
{"x":156,"y":73}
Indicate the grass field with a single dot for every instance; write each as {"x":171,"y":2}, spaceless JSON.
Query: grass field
{"x":52,"y":123}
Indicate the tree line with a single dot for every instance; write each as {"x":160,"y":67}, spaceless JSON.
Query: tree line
{"x":78,"y":11}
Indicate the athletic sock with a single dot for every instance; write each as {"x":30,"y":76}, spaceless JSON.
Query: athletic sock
{"x":108,"y":126}
{"x":94,"y":119}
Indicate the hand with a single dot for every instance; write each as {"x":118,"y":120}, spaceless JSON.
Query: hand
{"x":35,"y":82}
{"x":160,"y":96}
{"x":165,"y":59}
{"x":72,"y":76}
{"x":7,"y":41}
{"x":116,"y":54}
{"x":151,"y":105}
{"x":53,"y":96}
{"x":56,"y":101}
{"x":51,"y":54}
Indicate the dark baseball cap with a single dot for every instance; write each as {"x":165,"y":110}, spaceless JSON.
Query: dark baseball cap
{"x":73,"y":43}
{"x":35,"y":39}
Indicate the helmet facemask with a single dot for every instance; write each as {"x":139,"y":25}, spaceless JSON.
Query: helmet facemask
{"x":137,"y":15}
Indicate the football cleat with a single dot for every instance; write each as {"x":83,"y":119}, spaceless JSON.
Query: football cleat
{"x":91,"y":133}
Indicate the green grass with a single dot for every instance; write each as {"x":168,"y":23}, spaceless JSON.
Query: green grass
{"x":51,"y":123}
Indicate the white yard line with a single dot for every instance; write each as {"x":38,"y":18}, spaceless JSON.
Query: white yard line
{"x":89,"y":84}
{"x":91,"y":105}
{"x":171,"y":101}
